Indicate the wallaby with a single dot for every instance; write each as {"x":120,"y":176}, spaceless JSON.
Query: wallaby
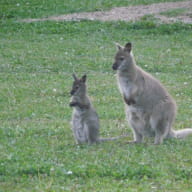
{"x":85,"y":121}
{"x":150,"y":109}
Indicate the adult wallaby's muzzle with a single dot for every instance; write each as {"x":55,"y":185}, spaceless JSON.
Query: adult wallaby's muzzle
{"x":115,"y":66}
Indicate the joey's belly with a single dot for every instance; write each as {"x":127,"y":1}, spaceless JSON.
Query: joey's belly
{"x":80,"y":131}
{"x":78,"y":123}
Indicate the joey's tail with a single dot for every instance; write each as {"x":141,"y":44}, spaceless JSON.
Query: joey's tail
{"x":112,"y":138}
{"x":181,"y":134}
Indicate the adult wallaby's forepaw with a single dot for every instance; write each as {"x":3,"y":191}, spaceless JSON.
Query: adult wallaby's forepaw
{"x":130,"y":101}
{"x":73,"y":104}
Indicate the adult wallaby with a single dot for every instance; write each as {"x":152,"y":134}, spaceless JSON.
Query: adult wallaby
{"x":85,"y":121}
{"x":150,"y":108}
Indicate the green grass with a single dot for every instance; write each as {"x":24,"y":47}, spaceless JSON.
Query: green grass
{"x":37,"y":151}
{"x":177,"y":12}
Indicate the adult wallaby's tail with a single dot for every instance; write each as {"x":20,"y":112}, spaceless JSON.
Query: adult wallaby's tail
{"x":181,"y":134}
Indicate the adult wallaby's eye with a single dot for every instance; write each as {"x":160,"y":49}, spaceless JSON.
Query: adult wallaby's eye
{"x":77,"y":87}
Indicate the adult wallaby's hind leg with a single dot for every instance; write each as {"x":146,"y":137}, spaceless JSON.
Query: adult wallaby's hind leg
{"x":138,"y":138}
{"x":161,"y":121}
{"x":137,"y":127}
{"x":161,"y":128}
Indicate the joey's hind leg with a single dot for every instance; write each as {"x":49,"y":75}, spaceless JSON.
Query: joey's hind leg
{"x":79,"y":137}
{"x":92,"y":135}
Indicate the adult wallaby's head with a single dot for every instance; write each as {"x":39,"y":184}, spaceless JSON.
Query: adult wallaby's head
{"x":79,"y":86}
{"x":123,"y":57}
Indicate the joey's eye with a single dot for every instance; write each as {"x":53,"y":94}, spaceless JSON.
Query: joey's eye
{"x":77,"y":87}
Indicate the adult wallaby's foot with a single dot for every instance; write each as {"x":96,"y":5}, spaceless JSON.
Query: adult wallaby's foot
{"x":133,"y":142}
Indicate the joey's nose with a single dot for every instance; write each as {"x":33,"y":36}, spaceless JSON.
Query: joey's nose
{"x":71,"y":92}
{"x":71,"y":104}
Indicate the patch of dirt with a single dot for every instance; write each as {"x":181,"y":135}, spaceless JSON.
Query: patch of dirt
{"x":131,"y":13}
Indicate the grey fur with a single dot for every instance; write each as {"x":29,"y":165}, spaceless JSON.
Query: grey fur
{"x":85,"y":121}
{"x":150,"y":109}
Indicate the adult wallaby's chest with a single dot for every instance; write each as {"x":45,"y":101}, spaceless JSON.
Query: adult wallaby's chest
{"x":126,"y":87}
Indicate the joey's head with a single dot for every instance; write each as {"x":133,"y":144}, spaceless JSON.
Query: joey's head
{"x":123,"y":57}
{"x":79,"y":86}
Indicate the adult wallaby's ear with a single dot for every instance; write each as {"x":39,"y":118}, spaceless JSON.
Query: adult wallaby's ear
{"x":119,"y":47}
{"x":74,"y":76}
{"x":84,"y":77}
{"x":128,"y":47}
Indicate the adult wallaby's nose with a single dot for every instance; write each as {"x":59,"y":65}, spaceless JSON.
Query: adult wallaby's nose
{"x":114,"y":67}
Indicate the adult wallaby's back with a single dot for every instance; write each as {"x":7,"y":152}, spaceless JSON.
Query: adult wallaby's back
{"x":150,"y":108}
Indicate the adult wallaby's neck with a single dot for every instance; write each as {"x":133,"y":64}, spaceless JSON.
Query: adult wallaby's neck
{"x":130,"y":71}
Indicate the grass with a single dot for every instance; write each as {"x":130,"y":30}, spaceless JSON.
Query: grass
{"x":37,"y":146}
{"x":32,"y":9}
{"x":177,"y":12}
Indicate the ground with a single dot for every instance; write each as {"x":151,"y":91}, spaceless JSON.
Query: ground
{"x":131,"y":13}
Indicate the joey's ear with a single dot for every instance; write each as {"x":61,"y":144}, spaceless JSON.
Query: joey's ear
{"x":74,"y":77}
{"x":128,"y":47}
{"x":84,"y":77}
{"x":119,"y":47}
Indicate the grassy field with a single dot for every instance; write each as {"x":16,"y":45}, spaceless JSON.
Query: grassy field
{"x":37,"y":151}
{"x":29,"y":9}
{"x":177,"y":12}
